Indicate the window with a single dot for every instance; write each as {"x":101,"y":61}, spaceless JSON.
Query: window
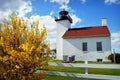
{"x":84,"y":46}
{"x":99,"y":46}
{"x":99,"y":60}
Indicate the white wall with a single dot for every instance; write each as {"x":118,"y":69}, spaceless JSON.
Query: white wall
{"x":62,"y":27}
{"x":74,"y":47}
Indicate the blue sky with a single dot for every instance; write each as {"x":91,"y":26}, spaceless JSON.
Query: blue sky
{"x":83,"y":12}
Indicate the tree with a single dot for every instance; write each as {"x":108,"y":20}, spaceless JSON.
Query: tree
{"x":23,"y":49}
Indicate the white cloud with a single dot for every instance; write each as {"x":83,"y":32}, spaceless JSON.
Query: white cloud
{"x":112,"y":1}
{"x":76,"y":19}
{"x":4,"y":14}
{"x":115,"y":41}
{"x":60,"y":1}
{"x":51,"y":13}
{"x":83,"y":1}
{"x":52,"y":39}
{"x":116,"y":38}
{"x":25,"y":8}
{"x":64,"y":7}
{"x":22,"y":7}
{"x":47,"y":20}
{"x":49,"y":23}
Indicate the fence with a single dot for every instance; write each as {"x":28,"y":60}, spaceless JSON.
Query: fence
{"x":86,"y":66}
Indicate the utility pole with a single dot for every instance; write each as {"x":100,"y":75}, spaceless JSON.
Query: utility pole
{"x":114,"y":55}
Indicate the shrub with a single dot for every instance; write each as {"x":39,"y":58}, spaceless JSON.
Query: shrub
{"x":117,"y":58}
{"x":111,"y":57}
{"x":22,"y":50}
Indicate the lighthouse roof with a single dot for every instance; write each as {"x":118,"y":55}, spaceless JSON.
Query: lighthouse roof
{"x":63,"y":15}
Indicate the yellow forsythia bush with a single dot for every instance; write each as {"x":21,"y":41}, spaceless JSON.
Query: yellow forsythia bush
{"x":23,"y":49}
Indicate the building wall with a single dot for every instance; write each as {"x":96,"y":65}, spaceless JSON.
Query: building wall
{"x":62,"y":27}
{"x":74,"y":47}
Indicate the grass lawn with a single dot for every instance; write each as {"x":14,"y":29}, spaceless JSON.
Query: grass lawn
{"x":51,"y":77}
{"x":82,"y":70}
{"x":52,"y":59}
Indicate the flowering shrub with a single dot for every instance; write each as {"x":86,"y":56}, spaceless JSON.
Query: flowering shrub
{"x":22,"y":49}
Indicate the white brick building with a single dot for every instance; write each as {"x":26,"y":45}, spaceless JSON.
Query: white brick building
{"x":79,"y":44}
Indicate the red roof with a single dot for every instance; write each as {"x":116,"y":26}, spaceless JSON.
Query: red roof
{"x":87,"y":32}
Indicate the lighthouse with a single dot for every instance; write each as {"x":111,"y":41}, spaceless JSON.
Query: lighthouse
{"x":63,"y":23}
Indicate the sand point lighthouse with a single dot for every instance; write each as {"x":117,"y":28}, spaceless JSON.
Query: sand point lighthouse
{"x":63,"y":23}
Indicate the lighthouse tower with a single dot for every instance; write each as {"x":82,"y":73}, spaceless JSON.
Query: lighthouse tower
{"x":63,"y":23}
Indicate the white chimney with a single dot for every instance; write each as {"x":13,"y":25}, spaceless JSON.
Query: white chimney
{"x":104,"y":21}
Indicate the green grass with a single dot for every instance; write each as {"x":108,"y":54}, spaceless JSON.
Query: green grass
{"x":52,"y":60}
{"x":82,"y":70}
{"x":51,"y":77}
{"x":67,"y":69}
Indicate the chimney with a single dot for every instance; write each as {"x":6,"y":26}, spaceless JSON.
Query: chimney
{"x":104,"y":21}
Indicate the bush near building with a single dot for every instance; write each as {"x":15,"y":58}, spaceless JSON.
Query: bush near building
{"x":117,"y":58}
